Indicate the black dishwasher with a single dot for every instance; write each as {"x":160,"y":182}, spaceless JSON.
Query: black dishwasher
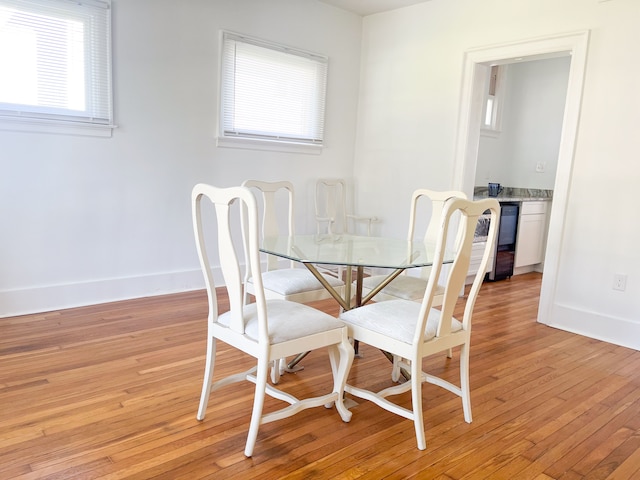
{"x":505,"y":249}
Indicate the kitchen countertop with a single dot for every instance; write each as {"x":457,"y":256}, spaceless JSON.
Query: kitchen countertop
{"x":511,"y":194}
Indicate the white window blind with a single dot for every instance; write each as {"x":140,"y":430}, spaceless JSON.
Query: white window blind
{"x":271,"y":92}
{"x":55,"y":61}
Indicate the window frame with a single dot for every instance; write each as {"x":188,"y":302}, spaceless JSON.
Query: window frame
{"x":497,"y":97}
{"x":282,"y":142}
{"x":48,"y":119}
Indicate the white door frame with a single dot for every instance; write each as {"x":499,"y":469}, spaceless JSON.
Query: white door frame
{"x":476,"y":65}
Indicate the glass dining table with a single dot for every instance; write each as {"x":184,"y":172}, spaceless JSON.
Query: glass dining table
{"x":353,"y":252}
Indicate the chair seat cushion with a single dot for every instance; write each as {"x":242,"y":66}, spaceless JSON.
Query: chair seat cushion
{"x":396,"y":319}
{"x":403,"y":286}
{"x":287,"y":321}
{"x":289,"y":281}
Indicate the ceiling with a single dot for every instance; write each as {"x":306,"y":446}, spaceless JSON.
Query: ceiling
{"x":368,"y":7}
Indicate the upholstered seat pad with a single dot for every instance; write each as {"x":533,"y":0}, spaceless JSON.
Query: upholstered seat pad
{"x":396,"y":319}
{"x":289,"y":281}
{"x":403,"y":286}
{"x":287,"y":321}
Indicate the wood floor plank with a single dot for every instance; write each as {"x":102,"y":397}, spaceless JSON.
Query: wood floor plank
{"x":110,"y":391}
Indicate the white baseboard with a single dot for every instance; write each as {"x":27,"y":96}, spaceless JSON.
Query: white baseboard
{"x":57,"y":297}
{"x":619,"y":331}
{"x":523,"y":270}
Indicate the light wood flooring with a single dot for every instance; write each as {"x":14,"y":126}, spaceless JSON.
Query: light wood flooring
{"x":111,"y":391}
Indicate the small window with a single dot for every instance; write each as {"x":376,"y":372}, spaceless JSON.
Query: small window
{"x":272,"y":96}
{"x":56,"y":65}
{"x":491,"y":120}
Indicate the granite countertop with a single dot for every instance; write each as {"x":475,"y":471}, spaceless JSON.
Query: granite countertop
{"x":511,"y":194}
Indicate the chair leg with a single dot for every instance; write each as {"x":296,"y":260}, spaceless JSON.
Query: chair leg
{"x":416,"y":402}
{"x":395,"y":369}
{"x":340,"y":367}
{"x":464,"y":382}
{"x":450,"y":353}
{"x":208,"y":378}
{"x":276,"y":371}
{"x":258,"y":404}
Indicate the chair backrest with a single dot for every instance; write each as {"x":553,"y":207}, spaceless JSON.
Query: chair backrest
{"x":270,"y":193}
{"x":331,"y":205}
{"x":333,"y":215}
{"x":230,"y":202}
{"x":437,"y":200}
{"x":469,"y":213}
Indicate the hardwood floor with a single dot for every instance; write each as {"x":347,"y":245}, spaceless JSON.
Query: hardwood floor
{"x":111,"y":391}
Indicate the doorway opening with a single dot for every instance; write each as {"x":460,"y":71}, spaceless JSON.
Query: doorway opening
{"x":476,"y":71}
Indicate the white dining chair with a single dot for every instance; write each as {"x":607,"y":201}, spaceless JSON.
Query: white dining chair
{"x":410,"y":331}
{"x":411,"y":287}
{"x":290,"y":283}
{"x":333,"y":216}
{"x":267,"y":329}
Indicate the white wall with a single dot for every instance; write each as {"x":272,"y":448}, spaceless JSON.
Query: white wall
{"x":534,"y":99}
{"x":87,"y":220}
{"x":410,"y":97}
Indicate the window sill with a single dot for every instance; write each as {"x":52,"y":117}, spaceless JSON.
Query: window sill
{"x":268,"y":145}
{"x":56,"y":127}
{"x":485,"y":132}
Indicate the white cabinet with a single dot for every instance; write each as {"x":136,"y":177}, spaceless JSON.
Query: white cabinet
{"x":477,"y":250}
{"x":532,"y":229}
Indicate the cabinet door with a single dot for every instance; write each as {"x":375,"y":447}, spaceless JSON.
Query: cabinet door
{"x":477,"y":250}
{"x":530,"y":240}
